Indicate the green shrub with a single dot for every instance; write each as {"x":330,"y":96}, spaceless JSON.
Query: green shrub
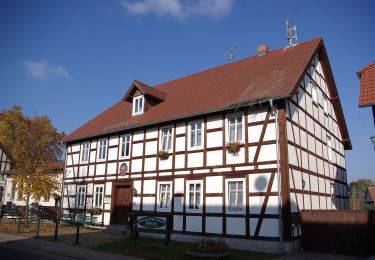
{"x":210,"y":246}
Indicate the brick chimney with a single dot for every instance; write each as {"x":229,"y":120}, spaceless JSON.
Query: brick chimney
{"x":263,"y":50}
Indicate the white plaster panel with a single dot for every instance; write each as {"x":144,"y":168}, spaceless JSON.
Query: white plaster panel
{"x":75,"y":158}
{"x":151,"y":147}
{"x":252,"y":151}
{"x":307,"y":201}
{"x":214,"y":225}
{"x":293,"y":112}
{"x":236,"y":158}
{"x":113,"y":140}
{"x":236,"y":226}
{"x":214,"y":122}
{"x":83,"y":171}
{"x":151,"y":133}
{"x":194,"y":223}
{"x":269,"y":228}
{"x":293,"y":202}
{"x":148,"y":203}
{"x":304,"y":157}
{"x":214,"y":184}
{"x":137,"y":186}
{"x":138,"y":135}
{"x":311,"y":143}
{"x":92,"y":156}
{"x":179,"y":185}
{"x":272,"y":205}
{"x":150,"y":164}
{"x":309,"y":124}
{"x":267,"y":153}
{"x":312,"y":163}
{"x":195,"y":159}
{"x":292,"y":155}
{"x":166,"y":164}
{"x":178,"y":204}
{"x":136,"y":203}
{"x":180,"y":143}
{"x":180,"y":128}
{"x":256,"y":116}
{"x":108,"y":188}
{"x":178,"y":223}
{"x":256,"y":203}
{"x":112,"y":168}
{"x":214,"y":204}
{"x":100,"y":169}
{"x":149,"y":186}
{"x":93,"y":144}
{"x":215,"y":158}
{"x":300,"y":201}
{"x":314,"y":183}
{"x":112,"y":154}
{"x":253,"y":225}
{"x":315,"y":201}
{"x":253,"y":133}
{"x":137,"y":149}
{"x":215,"y":139}
{"x":297,"y":179}
{"x":91,"y":170}
{"x":137,"y":165}
{"x":107,"y":218}
{"x":75,"y":147}
{"x":179,"y":161}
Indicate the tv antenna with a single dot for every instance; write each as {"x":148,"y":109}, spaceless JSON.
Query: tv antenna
{"x":291,"y":32}
{"x":232,"y":52}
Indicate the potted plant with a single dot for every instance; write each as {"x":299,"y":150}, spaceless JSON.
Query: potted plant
{"x":209,"y":249}
{"x":94,"y":211}
{"x":163,"y":155}
{"x":234,"y":147}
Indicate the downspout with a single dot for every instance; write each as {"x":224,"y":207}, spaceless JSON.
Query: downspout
{"x":63,"y":179}
{"x":274,"y":113}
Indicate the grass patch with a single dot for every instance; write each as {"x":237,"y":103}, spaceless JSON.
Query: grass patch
{"x":151,"y":248}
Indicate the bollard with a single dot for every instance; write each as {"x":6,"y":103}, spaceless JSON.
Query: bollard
{"x":56,"y":230}
{"x":77,"y":234}
{"x":38,"y":226}
{"x":18,"y":227}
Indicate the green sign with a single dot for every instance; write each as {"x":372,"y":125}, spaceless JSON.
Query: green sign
{"x":151,"y":222}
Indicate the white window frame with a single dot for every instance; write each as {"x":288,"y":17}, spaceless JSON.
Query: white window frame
{"x":314,"y":94}
{"x":138,"y":105}
{"x":169,"y":138}
{"x":227,"y":122}
{"x":325,"y":105}
{"x":80,"y":197}
{"x":169,"y":206}
{"x":123,"y":143}
{"x":241,"y":210}
{"x":100,"y":149}
{"x":187,"y":191}
{"x":329,"y":149}
{"x":85,"y":149}
{"x":100,"y":195}
{"x":191,"y":123}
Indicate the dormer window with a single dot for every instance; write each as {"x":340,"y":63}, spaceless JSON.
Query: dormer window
{"x":138,"y":105}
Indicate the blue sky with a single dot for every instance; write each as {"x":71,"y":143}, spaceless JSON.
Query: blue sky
{"x":70,"y":60}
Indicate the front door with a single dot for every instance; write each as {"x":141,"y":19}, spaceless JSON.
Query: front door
{"x":122,"y":204}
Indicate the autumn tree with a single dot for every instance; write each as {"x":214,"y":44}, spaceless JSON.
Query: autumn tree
{"x":35,"y":146}
{"x":357,"y":194}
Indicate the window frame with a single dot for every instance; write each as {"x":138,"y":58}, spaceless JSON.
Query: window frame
{"x":187,"y":191}
{"x":125,"y":142}
{"x":241,"y":210}
{"x":196,"y":147}
{"x":99,"y":149}
{"x":170,"y":139}
{"x":227,"y":122}
{"x":136,"y":102}
{"x":169,"y":208}
{"x":95,"y":205}
{"x":80,"y":198}
{"x":85,"y":152}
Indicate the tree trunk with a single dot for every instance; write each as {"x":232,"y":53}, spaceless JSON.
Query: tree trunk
{"x":27,"y":211}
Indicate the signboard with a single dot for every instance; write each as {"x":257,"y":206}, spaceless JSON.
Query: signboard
{"x":151,"y":222}
{"x":123,"y":169}
{"x":107,"y":200}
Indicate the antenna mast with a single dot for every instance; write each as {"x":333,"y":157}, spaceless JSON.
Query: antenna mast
{"x":291,"y":32}
{"x":232,"y":52}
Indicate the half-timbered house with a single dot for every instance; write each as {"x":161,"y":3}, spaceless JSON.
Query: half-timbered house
{"x":5,"y":161}
{"x":233,"y":152}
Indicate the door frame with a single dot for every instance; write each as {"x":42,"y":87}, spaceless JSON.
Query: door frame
{"x":115,"y":184}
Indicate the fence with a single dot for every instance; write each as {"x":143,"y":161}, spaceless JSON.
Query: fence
{"x":339,"y":231}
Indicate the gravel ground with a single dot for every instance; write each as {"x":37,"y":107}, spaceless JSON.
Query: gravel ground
{"x":89,"y":237}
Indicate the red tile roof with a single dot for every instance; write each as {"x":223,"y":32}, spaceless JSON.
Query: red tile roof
{"x":145,"y":89}
{"x":370,"y":194}
{"x":274,"y":75}
{"x":367,"y":85}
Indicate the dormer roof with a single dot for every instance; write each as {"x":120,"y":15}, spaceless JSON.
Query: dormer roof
{"x":145,"y":90}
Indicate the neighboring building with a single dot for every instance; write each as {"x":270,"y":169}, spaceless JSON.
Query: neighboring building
{"x":367,"y":87}
{"x":281,"y":106}
{"x":5,"y":161}
{"x":370,"y":195}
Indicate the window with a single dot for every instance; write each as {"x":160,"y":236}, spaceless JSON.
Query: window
{"x":329,"y":148}
{"x":166,"y":139}
{"x":325,"y":105}
{"x":164,"y":198}
{"x":80,"y":197}
{"x":235,"y":195}
{"x":102,"y":149}
{"x":194,"y":198}
{"x":85,"y":152}
{"x":125,"y":146}
{"x":195,"y":134}
{"x":314,"y":93}
{"x":138,"y":105}
{"x":98,"y":196}
{"x":235,"y":128}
